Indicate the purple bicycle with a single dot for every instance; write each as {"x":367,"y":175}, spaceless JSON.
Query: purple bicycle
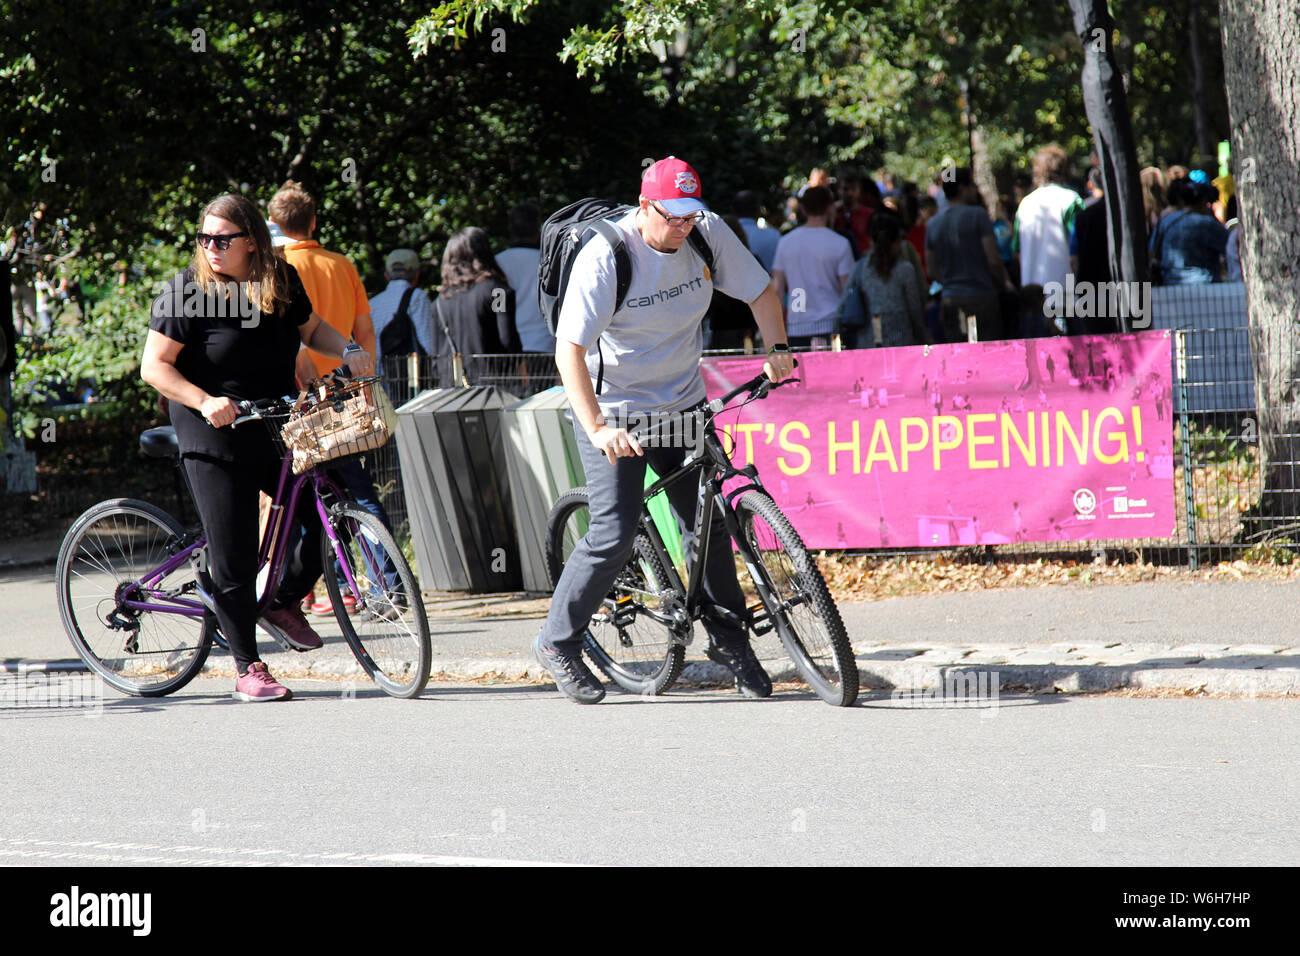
{"x":131,"y":579}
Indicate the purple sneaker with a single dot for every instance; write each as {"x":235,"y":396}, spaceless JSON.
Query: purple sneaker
{"x":258,"y":685}
{"x":295,"y":628}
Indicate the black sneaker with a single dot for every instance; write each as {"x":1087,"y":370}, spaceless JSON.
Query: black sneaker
{"x":751,"y":679}
{"x":572,"y":677}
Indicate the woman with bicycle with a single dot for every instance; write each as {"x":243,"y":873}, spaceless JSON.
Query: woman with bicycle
{"x":225,"y":330}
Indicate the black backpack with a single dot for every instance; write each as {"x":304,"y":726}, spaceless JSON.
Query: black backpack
{"x":398,"y":337}
{"x":565,"y":233}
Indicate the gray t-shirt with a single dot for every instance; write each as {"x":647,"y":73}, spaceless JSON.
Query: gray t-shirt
{"x":956,"y":236}
{"x":652,"y":344}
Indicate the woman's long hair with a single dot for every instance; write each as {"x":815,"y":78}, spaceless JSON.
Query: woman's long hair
{"x":886,"y":229}
{"x":468,"y":259}
{"x":268,"y":278}
{"x":1153,"y":193}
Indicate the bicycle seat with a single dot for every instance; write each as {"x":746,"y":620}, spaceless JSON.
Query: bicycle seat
{"x":159,"y":442}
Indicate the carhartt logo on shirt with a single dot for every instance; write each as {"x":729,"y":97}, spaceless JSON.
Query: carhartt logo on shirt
{"x":663,"y":295}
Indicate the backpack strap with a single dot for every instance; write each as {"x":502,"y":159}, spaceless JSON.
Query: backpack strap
{"x":402,"y":306}
{"x":622,"y":258}
{"x":403,"y":315}
{"x":702,"y":246}
{"x":622,"y":279}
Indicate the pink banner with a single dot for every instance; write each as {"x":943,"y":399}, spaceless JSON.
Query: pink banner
{"x":982,"y":443}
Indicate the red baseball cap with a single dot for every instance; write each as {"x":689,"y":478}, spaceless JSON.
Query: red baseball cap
{"x":675,"y":185}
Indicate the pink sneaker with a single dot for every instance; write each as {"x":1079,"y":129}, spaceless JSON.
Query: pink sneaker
{"x":295,"y":628}
{"x":258,"y":685}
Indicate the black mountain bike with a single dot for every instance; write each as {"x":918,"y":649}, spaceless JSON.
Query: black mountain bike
{"x":639,"y":634}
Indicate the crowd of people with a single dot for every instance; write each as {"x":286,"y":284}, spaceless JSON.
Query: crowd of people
{"x":862,"y":261}
{"x":859,"y":260}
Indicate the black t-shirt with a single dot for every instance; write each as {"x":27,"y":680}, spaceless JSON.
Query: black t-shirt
{"x":481,"y":319}
{"x":1090,"y":227}
{"x":482,"y":322}
{"x":229,"y":350}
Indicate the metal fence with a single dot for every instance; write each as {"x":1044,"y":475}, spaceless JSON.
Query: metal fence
{"x":1218,"y":477}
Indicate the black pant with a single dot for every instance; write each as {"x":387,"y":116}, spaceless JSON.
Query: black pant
{"x":225,"y":493}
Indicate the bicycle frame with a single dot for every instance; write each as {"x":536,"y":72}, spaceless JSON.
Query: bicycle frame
{"x":274,"y":547}
{"x":715,"y":468}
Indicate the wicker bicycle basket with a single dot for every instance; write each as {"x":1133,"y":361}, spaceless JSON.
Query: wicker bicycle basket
{"x":346,"y":420}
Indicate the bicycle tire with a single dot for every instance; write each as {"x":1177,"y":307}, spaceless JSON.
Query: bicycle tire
{"x":644,"y":655}
{"x":388,"y":631}
{"x":816,"y":641}
{"x":109,"y":546}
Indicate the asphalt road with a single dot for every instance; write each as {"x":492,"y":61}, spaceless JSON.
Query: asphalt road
{"x":473,"y":774}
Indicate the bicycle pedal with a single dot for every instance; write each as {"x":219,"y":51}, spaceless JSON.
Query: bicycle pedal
{"x":760,"y":622}
{"x":278,"y":636}
{"x":624,"y":613}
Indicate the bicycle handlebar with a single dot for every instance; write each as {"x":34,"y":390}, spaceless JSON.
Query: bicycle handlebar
{"x":758,"y":387}
{"x":253,"y":409}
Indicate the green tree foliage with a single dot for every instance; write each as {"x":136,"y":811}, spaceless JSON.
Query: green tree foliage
{"x":899,"y":81}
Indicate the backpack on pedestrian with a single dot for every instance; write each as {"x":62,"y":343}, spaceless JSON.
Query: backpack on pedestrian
{"x":398,"y":337}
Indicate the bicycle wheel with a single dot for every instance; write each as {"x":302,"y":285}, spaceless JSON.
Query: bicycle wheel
{"x":104,"y":555}
{"x":797,"y":601}
{"x":388,"y":630}
{"x":629,"y":637}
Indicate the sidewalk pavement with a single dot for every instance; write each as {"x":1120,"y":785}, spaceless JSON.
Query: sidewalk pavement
{"x":1056,"y":639}
{"x":1194,"y":637}
{"x":36,"y":551}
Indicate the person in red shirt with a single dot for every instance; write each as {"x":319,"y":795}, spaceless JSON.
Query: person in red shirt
{"x":859,"y":198}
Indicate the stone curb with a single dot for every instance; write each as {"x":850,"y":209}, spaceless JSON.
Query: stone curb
{"x":1277,"y":677}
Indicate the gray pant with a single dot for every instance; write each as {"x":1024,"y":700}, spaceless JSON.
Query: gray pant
{"x":615,"y":502}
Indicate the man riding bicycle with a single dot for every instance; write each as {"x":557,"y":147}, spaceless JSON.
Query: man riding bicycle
{"x":645,"y":355}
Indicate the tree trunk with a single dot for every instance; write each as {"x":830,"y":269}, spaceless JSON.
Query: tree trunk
{"x":1261,"y":64}
{"x":1205,"y":146}
{"x":982,"y":173}
{"x":1107,"y":106}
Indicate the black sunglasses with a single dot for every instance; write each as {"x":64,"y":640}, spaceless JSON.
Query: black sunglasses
{"x":221,"y":240}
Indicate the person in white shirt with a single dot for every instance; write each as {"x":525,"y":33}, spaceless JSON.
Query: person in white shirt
{"x":520,"y":263}
{"x":402,"y":270}
{"x":1045,"y":220}
{"x":812,"y":264}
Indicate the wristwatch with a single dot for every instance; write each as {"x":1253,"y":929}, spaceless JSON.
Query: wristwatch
{"x":350,"y":348}
{"x":779,"y":347}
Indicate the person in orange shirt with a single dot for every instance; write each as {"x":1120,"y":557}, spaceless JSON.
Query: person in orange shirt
{"x":330,"y":279}
{"x":339,"y":298}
